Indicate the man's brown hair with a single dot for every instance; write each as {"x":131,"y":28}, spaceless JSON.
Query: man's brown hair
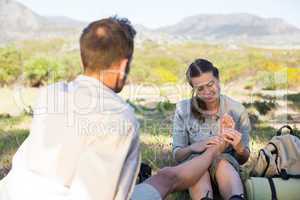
{"x":106,"y":42}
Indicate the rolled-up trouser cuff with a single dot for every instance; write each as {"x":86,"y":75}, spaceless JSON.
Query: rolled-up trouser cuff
{"x":145,"y":191}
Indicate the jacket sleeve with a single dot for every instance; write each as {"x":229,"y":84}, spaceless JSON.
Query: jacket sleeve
{"x":180,"y":136}
{"x":244,"y":127}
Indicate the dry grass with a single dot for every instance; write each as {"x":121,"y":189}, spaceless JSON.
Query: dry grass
{"x":155,"y":137}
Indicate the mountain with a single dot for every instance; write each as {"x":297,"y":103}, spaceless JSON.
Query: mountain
{"x":18,"y":22}
{"x":235,"y":27}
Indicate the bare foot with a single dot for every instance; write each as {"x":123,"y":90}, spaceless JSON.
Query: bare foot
{"x":227,"y":122}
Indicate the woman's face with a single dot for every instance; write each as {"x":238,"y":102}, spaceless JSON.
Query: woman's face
{"x":207,"y":87}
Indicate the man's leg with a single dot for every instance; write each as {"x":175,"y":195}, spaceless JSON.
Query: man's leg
{"x":181,"y":177}
{"x":228,"y":179}
{"x":202,"y":188}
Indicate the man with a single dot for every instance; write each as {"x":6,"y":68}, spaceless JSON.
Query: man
{"x":83,"y":142}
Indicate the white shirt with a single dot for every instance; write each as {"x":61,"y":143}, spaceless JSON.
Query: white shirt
{"x":83,"y":144}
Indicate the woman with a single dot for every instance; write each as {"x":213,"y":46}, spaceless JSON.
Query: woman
{"x":208,"y":118}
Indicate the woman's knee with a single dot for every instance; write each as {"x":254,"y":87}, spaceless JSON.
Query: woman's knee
{"x":225,"y":172}
{"x":223,"y":166}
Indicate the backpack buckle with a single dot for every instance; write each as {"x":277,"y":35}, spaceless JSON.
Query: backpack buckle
{"x":284,"y":174}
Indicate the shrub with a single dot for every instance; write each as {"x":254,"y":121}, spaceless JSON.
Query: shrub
{"x":165,"y":76}
{"x":263,"y":107}
{"x":10,"y":62}
{"x":42,"y":70}
{"x":72,"y":64}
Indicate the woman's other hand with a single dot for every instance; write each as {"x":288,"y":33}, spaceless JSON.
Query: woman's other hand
{"x":202,"y":145}
{"x":234,"y":138}
{"x":198,"y":147}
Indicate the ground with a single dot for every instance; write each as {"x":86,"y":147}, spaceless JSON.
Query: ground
{"x":267,"y":111}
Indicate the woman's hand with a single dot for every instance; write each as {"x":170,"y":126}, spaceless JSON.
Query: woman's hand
{"x":203,"y":145}
{"x":234,"y":138}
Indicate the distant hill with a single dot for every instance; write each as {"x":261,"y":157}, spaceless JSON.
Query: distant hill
{"x":233,"y":27}
{"x":17,"y":22}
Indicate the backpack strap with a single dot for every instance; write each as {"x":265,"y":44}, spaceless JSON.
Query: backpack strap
{"x":279,"y":132}
{"x":268,"y":162}
{"x":285,"y":176}
{"x":294,"y":176}
{"x":276,"y":149}
{"x":273,"y":189}
{"x":276,"y":152}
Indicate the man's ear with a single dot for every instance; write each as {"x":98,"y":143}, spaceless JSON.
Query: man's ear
{"x":123,"y":65}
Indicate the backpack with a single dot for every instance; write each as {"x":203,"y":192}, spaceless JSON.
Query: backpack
{"x":280,"y":157}
{"x":144,"y":173}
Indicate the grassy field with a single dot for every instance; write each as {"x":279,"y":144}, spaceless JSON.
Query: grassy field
{"x":155,"y":131}
{"x":266,"y":81}
{"x":37,"y":62}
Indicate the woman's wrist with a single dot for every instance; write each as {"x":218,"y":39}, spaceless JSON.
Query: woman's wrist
{"x":182,"y":154}
{"x":191,"y":150}
{"x":239,"y":149}
{"x":242,"y":155}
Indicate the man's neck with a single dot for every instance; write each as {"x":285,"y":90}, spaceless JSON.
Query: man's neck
{"x":105,"y":79}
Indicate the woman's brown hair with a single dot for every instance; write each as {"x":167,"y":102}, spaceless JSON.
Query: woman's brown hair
{"x":197,"y":68}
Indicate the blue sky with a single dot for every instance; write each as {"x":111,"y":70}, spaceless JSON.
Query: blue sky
{"x":155,"y":13}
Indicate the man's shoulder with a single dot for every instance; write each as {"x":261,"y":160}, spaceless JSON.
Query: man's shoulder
{"x":57,"y":86}
{"x":50,"y":94}
{"x":97,"y":101}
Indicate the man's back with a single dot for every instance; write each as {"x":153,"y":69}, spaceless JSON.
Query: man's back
{"x":82,"y":135}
